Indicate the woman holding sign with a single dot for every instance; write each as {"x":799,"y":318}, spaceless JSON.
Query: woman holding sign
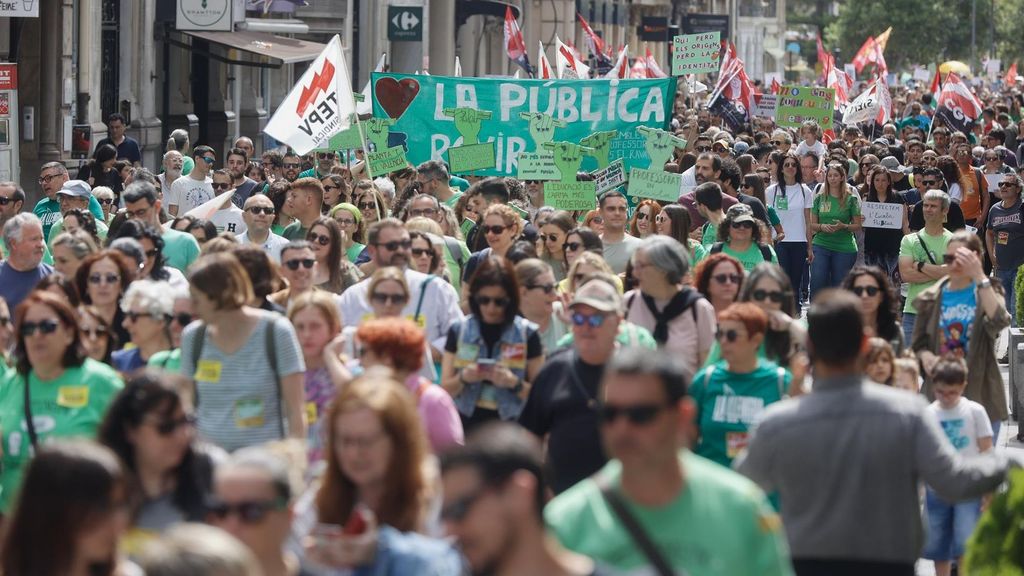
{"x":835,"y":216}
{"x":882,"y":244}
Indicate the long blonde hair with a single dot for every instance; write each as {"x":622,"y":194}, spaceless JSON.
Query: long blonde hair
{"x":845,"y":188}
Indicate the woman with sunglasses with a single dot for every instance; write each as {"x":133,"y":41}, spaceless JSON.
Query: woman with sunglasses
{"x":642,"y":223}
{"x":594,"y":221}
{"x":730,"y":395}
{"x":879,"y":304}
{"x":148,"y":308}
{"x":427,"y":257}
{"x":105,"y":196}
{"x":835,"y":217}
{"x":181,"y":316}
{"x":501,"y":226}
{"x":962,"y":315}
{"x":553,"y":234}
{"x":350,"y":220}
{"x":102,"y":280}
{"x":493,"y":354}
{"x":741,"y":236}
{"x":539,"y":302}
{"x":94,"y":334}
{"x":150,"y":427}
{"x":370,"y":202}
{"x":674,"y":221}
{"x":719,"y":277}
{"x":54,"y":392}
{"x":792,"y":200}
{"x":336,"y":191}
{"x":577,"y":241}
{"x":335,"y":273}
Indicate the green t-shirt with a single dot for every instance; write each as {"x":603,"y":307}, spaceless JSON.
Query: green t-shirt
{"x":630,"y":335}
{"x":773,"y":216}
{"x":180,"y":249}
{"x":699,"y":251}
{"x":73,"y":405}
{"x":720,"y":523}
{"x":48,"y":212}
{"x":166,"y":360}
{"x":453,"y":264}
{"x":750,"y":257}
{"x":458,"y":182}
{"x":828,"y":211}
{"x":278,"y":229}
{"x":728,"y":403}
{"x":453,"y":200}
{"x":295,"y":231}
{"x":910,"y":247}
{"x":353,"y":251}
{"x":58,"y":227}
{"x":710,"y":235}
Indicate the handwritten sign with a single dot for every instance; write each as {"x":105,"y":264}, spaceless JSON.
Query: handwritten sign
{"x":800,"y":103}
{"x":609,"y":178}
{"x":386,"y":161}
{"x":538,"y":166}
{"x":571,"y":195}
{"x":696,"y":53}
{"x":471,"y":157}
{"x":882,"y":215}
{"x":993,"y":181}
{"x":765,"y":105}
{"x":655,"y":184}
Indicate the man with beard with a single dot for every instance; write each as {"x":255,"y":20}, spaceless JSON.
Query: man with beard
{"x":707,"y":169}
{"x":433,"y":303}
{"x":173,"y":164}
{"x":23,"y":268}
{"x":292,"y":166}
{"x":618,"y":245}
{"x":236,"y":165}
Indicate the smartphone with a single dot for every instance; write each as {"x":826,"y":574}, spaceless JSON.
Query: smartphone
{"x":357,"y":522}
{"x":485,"y":365}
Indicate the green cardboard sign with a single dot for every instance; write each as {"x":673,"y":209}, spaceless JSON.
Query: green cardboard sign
{"x":570,"y":195}
{"x":347,"y":139}
{"x":386,"y":161}
{"x":471,"y":157}
{"x":376,"y":131}
{"x":659,"y":145}
{"x":537,"y":166}
{"x":568,"y":157}
{"x":800,"y":103}
{"x":696,"y":53}
{"x":655,"y":184}
{"x":467,"y":122}
{"x":601,"y":142}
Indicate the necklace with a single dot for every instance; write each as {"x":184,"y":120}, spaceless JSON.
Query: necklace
{"x":591,"y":401}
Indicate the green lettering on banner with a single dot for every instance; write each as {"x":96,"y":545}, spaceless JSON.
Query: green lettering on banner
{"x":655,"y":184}
{"x":696,"y":53}
{"x":386,"y":161}
{"x":525,"y":114}
{"x":797,"y":104}
{"x":570,"y":195}
{"x":537,"y":166}
{"x":471,"y":157}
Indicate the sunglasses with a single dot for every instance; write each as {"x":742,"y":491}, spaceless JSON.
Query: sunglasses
{"x":546,"y":288}
{"x":220,"y":185}
{"x":93,"y":333}
{"x":762,"y":295}
{"x":134,"y":316}
{"x":728,"y":278}
{"x":729,"y":336}
{"x":43,"y":326}
{"x":257,"y":210}
{"x":744,"y":224}
{"x":495,"y":229}
{"x":790,"y":165}
{"x":168,"y":427}
{"x":487,"y":301}
{"x":1007,"y":184}
{"x":594,"y":320}
{"x":209,"y":159}
{"x":422,"y":251}
{"x":948,"y":258}
{"x":327,"y":156}
{"x":104,"y":279}
{"x":306,"y":263}
{"x":642,"y":216}
{"x":292,"y":165}
{"x":871,"y":291}
{"x":384,"y":299}
{"x":549,"y":237}
{"x":250,"y":512}
{"x":572,"y":246}
{"x":367,"y":205}
{"x":322,"y":240}
{"x":639,"y":414}
{"x":929,"y":182}
{"x":183,"y":319}
{"x":395,"y":245}
{"x":703,"y":148}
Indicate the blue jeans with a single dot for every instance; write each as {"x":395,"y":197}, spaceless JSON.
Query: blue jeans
{"x":949,"y":527}
{"x":1008,"y":277}
{"x":997,"y":425}
{"x":908,"y":328}
{"x":829,"y":268}
{"x":793,"y":260}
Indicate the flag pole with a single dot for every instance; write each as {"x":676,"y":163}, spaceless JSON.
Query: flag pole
{"x":366,"y":153}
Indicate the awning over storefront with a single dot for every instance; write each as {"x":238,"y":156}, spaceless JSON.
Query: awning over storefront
{"x":283,"y":50}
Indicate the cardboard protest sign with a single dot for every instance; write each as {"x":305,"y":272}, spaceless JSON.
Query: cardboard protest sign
{"x":882,"y":215}
{"x":576,"y":109}
{"x":993,"y":181}
{"x":659,"y":145}
{"x":347,"y":139}
{"x":570,"y":195}
{"x":386,"y":160}
{"x":601,"y":143}
{"x":765,"y":105}
{"x":467,"y":122}
{"x":568,"y":157}
{"x":610,"y":177}
{"x":696,"y":53}
{"x":656,"y":184}
{"x":471,"y":157}
{"x":800,"y":103}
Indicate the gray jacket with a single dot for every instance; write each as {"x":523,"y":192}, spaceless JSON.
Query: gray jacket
{"x":847,"y":461}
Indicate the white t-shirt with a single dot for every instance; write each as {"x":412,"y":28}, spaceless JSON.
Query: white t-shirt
{"x":790,"y":208}
{"x":964,"y":425}
{"x":272,"y":246}
{"x":955,"y":193}
{"x":818,"y":148}
{"x":229,"y":220}
{"x":188,"y":193}
{"x":617,"y":254}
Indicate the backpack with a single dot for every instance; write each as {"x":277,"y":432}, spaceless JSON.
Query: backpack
{"x":766,"y":252}
{"x":456,"y":251}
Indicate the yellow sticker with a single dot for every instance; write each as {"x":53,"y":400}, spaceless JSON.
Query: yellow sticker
{"x":1003,"y":238}
{"x":735,"y":442}
{"x":208,"y":371}
{"x":249,"y":413}
{"x":311,"y":412}
{"x":73,"y":396}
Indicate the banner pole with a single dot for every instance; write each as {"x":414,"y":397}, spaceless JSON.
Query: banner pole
{"x":366,"y":153}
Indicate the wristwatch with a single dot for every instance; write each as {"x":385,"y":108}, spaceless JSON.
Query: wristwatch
{"x":986,"y":283}
{"x":920,"y":266}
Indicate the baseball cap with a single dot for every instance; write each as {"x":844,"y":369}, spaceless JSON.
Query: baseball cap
{"x":740,"y":213}
{"x":741,"y":147}
{"x":76,"y":188}
{"x":893,"y":165}
{"x":598,"y":294}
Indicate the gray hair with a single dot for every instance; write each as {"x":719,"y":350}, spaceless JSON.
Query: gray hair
{"x":386,"y":187}
{"x":178,"y":141}
{"x":152,"y":296}
{"x":667,"y":254}
{"x":60,"y":167}
{"x":79,"y":242}
{"x":784,"y":134}
{"x":105,"y":191}
{"x":450,"y":222}
{"x":937,"y":195}
{"x":198,"y":550}
{"x":278,"y":460}
{"x":131,"y":248}
{"x":14,"y":227}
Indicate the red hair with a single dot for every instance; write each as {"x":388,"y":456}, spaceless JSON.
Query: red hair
{"x":747,"y":313}
{"x":702,"y":275}
{"x":401,"y":340}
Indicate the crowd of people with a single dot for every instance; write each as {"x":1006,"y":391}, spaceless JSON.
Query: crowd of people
{"x":425,"y":373}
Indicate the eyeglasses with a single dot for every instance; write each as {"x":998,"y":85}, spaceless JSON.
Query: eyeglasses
{"x":134,"y":316}
{"x":220,"y":185}
{"x":257,"y":210}
{"x":642,"y":216}
{"x":572,"y":246}
{"x":43,"y":326}
{"x":306,"y":263}
{"x":639,"y":414}
{"x":546,"y":288}
{"x":322,"y":240}
{"x":367,"y":205}
{"x":46,"y":179}
{"x":495,"y":229}
{"x":1007,"y":184}
{"x":871,"y":291}
{"x":105,"y":201}
{"x":394,"y":245}
{"x":249,"y":512}
{"x":139,"y":214}
{"x":729,"y":336}
{"x":383,"y":299}
{"x":104,"y":279}
{"x":948,"y":258}
{"x":345,"y":222}
{"x":459,"y":509}
{"x":423,"y":212}
{"x":487,"y":301}
{"x":94,"y":332}
{"x":292,"y":165}
{"x":727,"y":278}
{"x":183,"y":319}
{"x":762,"y":295}
{"x":744,"y":224}
{"x":209,"y":159}
{"x":168,"y":427}
{"x":594,"y":320}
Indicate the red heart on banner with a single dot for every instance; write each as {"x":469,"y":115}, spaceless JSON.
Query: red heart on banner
{"x":395,"y":96}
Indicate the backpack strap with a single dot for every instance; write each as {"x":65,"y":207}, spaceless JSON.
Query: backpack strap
{"x":766,"y":252}
{"x":927,"y":252}
{"x":716,"y":247}
{"x":423,"y":294}
{"x":270,"y":347}
{"x":633,"y":527}
{"x":29,"y":423}
{"x":456,"y":251}
{"x":197,"y":349}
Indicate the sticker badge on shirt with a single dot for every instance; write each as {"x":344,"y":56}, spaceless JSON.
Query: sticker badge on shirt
{"x":466,"y":354}
{"x":735,"y":442}
{"x":826,"y":206}
{"x":73,"y":396}
{"x":311,"y":412}
{"x":513,"y":355}
{"x":249,"y":413}
{"x":208,"y":371}
{"x":1003,"y":238}
{"x":781,"y":203}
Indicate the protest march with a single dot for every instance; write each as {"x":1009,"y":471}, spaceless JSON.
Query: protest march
{"x":603,"y":317}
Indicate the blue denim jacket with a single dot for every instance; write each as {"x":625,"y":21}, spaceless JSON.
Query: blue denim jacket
{"x":509,"y":352}
{"x":404,"y":553}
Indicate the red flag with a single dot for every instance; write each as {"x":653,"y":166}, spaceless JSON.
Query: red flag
{"x":860,"y":60}
{"x":514,"y":45}
{"x":596,"y":44}
{"x":872,"y":52}
{"x":1011,"y":75}
{"x":653,"y":70}
{"x":957,"y":105}
{"x":833,"y":80}
{"x":621,"y":67}
{"x":639,"y":69}
{"x":822,"y":55}
{"x":776,"y":87}
{"x":936,"y":88}
{"x":733,"y":84}
{"x":544,"y":71}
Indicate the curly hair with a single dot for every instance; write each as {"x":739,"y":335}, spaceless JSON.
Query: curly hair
{"x":704,"y":270}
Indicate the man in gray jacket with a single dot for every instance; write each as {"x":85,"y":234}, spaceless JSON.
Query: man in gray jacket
{"x":847,"y":459}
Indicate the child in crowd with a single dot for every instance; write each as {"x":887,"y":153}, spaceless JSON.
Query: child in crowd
{"x":968,"y":428}
{"x":810,"y":132}
{"x":878,"y":361}
{"x":907,"y":374}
